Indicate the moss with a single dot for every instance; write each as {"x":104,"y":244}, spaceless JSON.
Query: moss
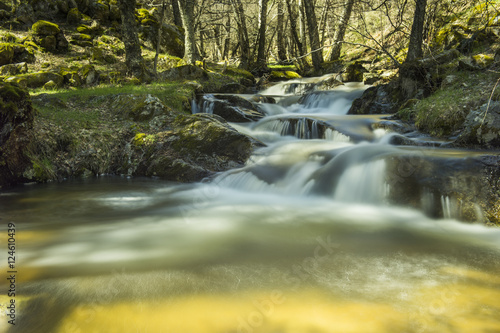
{"x":283,"y":75}
{"x":45,"y":28}
{"x":43,"y":170}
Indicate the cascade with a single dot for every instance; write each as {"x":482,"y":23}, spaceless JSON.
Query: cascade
{"x":301,"y":238}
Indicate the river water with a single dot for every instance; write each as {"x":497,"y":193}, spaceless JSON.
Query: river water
{"x":300,"y":239}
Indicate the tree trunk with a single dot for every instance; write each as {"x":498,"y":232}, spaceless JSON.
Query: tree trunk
{"x":133,"y":56}
{"x":242,"y":34}
{"x":176,"y":13}
{"x":281,"y":36}
{"x":158,"y":42}
{"x":302,"y":23}
{"x":293,"y":27}
{"x":340,"y":32}
{"x":186,"y":8}
{"x":312,"y":25}
{"x":417,"y":28}
{"x":261,"y":53}
{"x":227,"y":40}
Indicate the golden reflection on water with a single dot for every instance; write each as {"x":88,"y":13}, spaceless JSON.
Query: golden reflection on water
{"x":468,"y":303}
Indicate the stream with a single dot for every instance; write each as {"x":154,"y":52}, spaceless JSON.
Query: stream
{"x":303,"y":238}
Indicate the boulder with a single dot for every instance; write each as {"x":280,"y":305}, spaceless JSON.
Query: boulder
{"x":99,"y":11}
{"x":354,"y":73}
{"x":6,"y":53}
{"x":16,"y":122}
{"x":381,"y":99}
{"x":14,"y":69}
{"x":196,"y":147}
{"x":433,"y":181}
{"x":82,"y":40}
{"x":36,"y":80}
{"x":24,"y":13}
{"x":89,"y":75}
{"x":48,"y":36}
{"x":231,"y":108}
{"x":186,"y":72}
{"x":138,"y":107}
{"x":283,"y":76}
{"x":482,"y":127}
{"x":73,"y":17}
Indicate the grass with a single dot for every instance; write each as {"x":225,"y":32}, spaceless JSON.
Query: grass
{"x":443,"y":113}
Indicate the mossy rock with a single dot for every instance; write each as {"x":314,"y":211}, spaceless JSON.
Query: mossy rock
{"x":16,"y":121}
{"x":354,"y":73}
{"x":85,"y":29}
{"x":14,"y":69}
{"x":99,"y":11}
{"x":283,"y":75}
{"x":74,"y":16}
{"x":483,"y":60}
{"x":138,"y":107}
{"x":6,"y":53}
{"x":36,"y":80}
{"x":45,"y":28}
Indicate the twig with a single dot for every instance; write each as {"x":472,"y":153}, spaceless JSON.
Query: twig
{"x":489,"y":102}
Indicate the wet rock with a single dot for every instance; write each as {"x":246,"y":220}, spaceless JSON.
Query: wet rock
{"x":16,"y":121}
{"x":138,"y":107}
{"x":231,"y":108}
{"x":328,"y":84}
{"x":382,"y":99}
{"x":482,"y":127}
{"x":435,"y":182}
{"x":196,"y":147}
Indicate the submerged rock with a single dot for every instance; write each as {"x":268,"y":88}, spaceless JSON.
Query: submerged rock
{"x":450,"y":185}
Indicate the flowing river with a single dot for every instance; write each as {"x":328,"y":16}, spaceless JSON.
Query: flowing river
{"x":301,"y":239}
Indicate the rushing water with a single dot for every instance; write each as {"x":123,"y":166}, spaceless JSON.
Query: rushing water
{"x":301,"y":239}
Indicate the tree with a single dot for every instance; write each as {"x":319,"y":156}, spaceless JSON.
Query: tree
{"x":243,"y":41}
{"x":341,"y":29}
{"x":133,"y":56}
{"x":176,"y":13}
{"x":417,"y":29}
{"x":261,"y":53}
{"x":312,"y":25}
{"x":281,"y":36}
{"x":186,"y":8}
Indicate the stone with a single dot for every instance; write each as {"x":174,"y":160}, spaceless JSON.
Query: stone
{"x":482,"y":127}
{"x":14,"y":69}
{"x":51,"y":85}
{"x":36,"y":80}
{"x":483,"y":60}
{"x":186,"y":72}
{"x":89,"y":75}
{"x":6,"y":53}
{"x":354,"y":73}
{"x":195,"y":147}
{"x":99,"y":11}
{"x":45,"y":28}
{"x":230,"y":107}
{"x":138,"y":107}
{"x":381,"y":99}
{"x":74,"y":17}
